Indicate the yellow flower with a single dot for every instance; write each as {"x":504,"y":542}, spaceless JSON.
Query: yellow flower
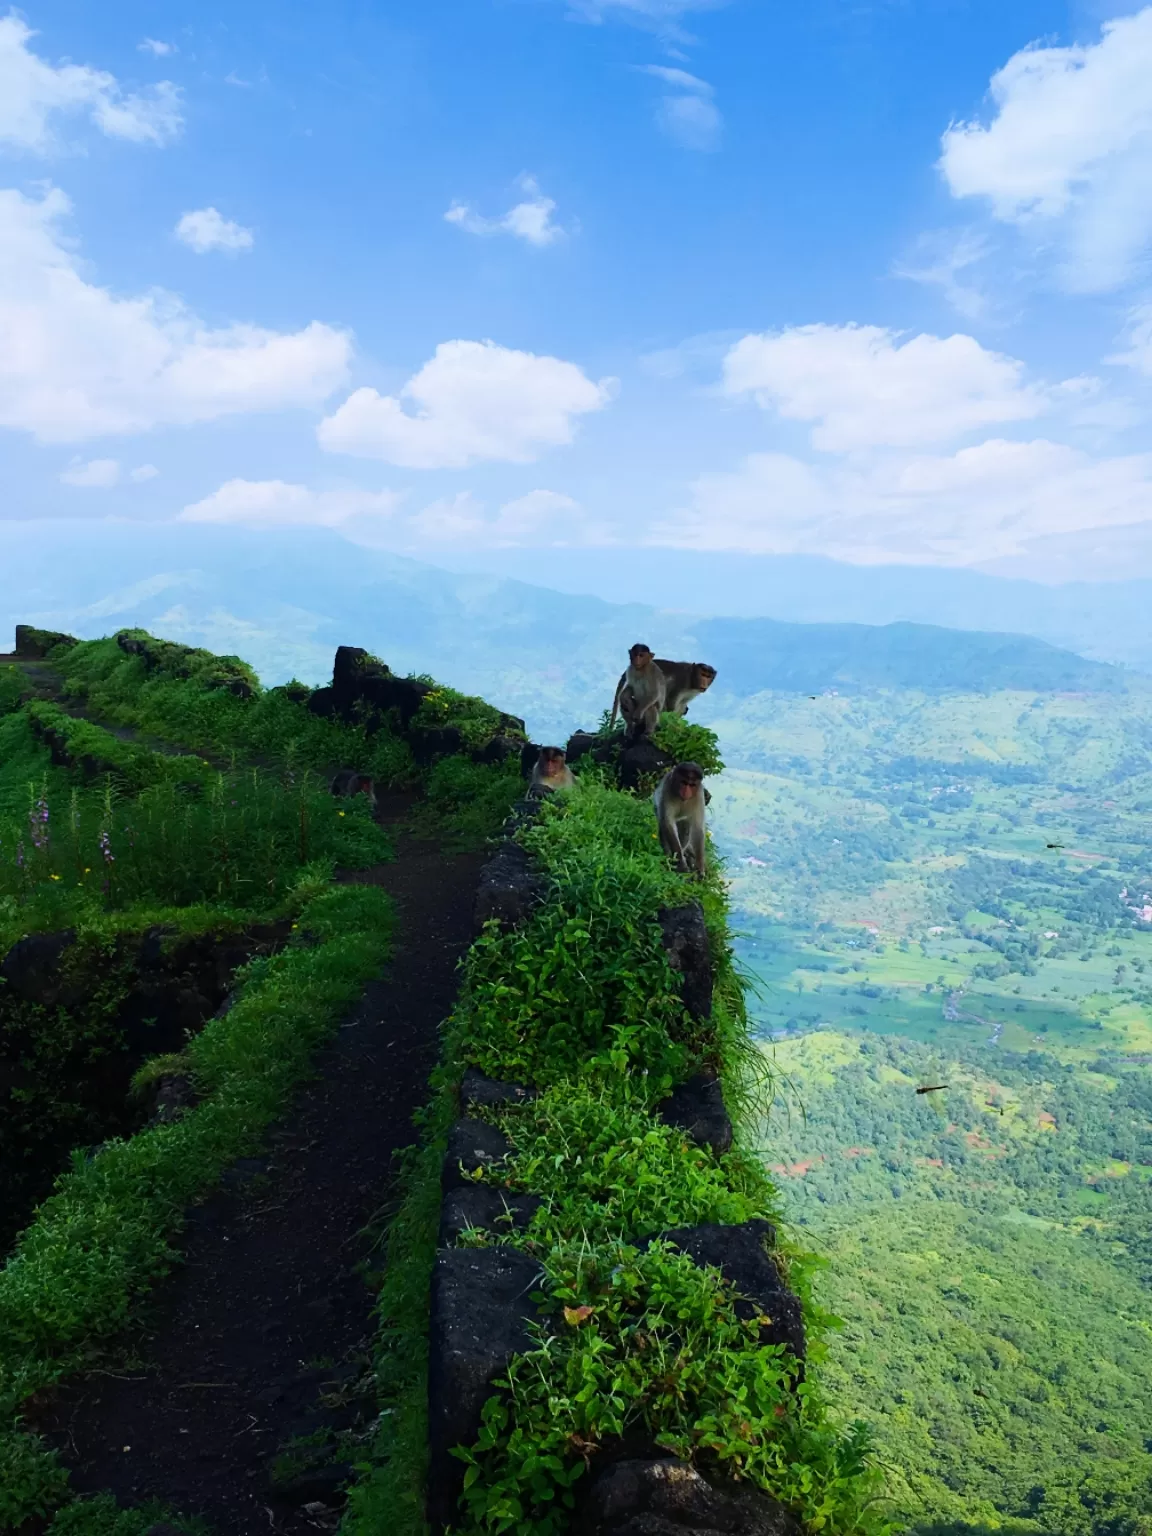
{"x":53,"y":877}
{"x":339,"y":813}
{"x":87,"y":871}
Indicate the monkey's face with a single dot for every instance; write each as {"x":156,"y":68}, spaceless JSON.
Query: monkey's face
{"x":366,"y":787}
{"x":704,"y":677}
{"x":640,"y":657}
{"x":688,"y":781}
{"x":551,"y":763}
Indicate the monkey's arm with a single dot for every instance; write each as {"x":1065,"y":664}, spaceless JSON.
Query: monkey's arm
{"x":616,"y":699}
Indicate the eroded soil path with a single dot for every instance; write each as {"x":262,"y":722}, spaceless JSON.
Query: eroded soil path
{"x":269,"y":1315}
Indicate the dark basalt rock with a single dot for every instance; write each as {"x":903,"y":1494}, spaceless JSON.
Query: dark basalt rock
{"x":481,"y":1309}
{"x":697,"y":1108}
{"x":358,"y":679}
{"x":634,"y":762}
{"x":502,"y":746}
{"x":643,"y":759}
{"x":665,"y":1497}
{"x":31,"y":969}
{"x":479,"y":1091}
{"x":740,"y":1253}
{"x":685,"y":938}
{"x":472,"y":1147}
{"x":510,"y":886}
{"x":170,"y":1098}
{"x":579,"y":745}
{"x":481,"y":1205}
{"x":428,"y":742}
{"x":33,"y":644}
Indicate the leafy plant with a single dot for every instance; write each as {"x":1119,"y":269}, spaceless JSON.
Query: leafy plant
{"x":688,"y":743}
{"x":646,"y":1343}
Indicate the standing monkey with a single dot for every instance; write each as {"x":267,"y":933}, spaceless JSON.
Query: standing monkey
{"x":551,"y":772}
{"x":686,"y":680}
{"x":639,"y":694}
{"x":349,"y":782}
{"x":679,"y":800}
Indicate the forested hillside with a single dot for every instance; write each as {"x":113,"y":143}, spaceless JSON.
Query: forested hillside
{"x":952,"y":893}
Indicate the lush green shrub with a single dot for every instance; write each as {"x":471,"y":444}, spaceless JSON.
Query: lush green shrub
{"x":469,"y":802}
{"x":651,"y":1343}
{"x":610,"y":1171}
{"x":688,"y":743}
{"x":476,"y":720}
{"x":12,"y":687}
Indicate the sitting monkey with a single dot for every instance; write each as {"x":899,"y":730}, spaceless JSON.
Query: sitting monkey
{"x":685,"y":681}
{"x":349,"y":782}
{"x":679,"y":800}
{"x":639,"y":694}
{"x":551,"y":772}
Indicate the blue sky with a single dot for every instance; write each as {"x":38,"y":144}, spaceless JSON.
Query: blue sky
{"x":862,"y":280}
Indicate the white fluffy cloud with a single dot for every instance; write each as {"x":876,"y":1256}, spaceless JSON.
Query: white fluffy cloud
{"x":862,"y":388}
{"x":33,"y":91}
{"x":1069,"y":148}
{"x":687,"y":113}
{"x":156,"y":47}
{"x":275,"y":503}
{"x":529,"y":220}
{"x":206,"y":229}
{"x":99,"y":474}
{"x":979,"y":504}
{"x":104,"y":473}
{"x":540,"y":519}
{"x":1139,"y":339}
{"x":472,"y":401}
{"x":77,"y":362}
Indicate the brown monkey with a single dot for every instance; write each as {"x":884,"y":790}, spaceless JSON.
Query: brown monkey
{"x":349,"y":782}
{"x":551,"y":772}
{"x":679,"y":801}
{"x":639,"y":694}
{"x":685,"y":681}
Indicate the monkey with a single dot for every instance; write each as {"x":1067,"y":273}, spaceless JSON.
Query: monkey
{"x":639,"y":694}
{"x":686,"y":680}
{"x":679,"y":802}
{"x":551,"y":772}
{"x":349,"y":782}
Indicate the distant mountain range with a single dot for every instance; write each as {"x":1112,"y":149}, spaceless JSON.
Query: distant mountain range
{"x":285,"y":600}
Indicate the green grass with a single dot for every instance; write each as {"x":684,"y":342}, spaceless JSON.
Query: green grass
{"x":185,"y":703}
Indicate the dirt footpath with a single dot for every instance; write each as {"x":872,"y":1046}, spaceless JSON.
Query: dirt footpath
{"x":268,"y":1312}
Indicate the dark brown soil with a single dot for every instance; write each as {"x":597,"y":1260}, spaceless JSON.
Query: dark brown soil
{"x":269,"y":1312}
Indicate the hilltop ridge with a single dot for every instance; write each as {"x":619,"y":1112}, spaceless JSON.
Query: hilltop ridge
{"x":588,"y":1312}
